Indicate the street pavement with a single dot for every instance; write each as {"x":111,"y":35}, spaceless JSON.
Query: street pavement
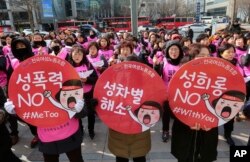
{"x":97,"y":151}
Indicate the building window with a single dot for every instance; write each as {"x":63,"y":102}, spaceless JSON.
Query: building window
{"x":217,"y":11}
{"x":68,"y":8}
{"x":210,"y":3}
{"x":21,"y":16}
{"x":24,"y":16}
{"x":2,"y":5}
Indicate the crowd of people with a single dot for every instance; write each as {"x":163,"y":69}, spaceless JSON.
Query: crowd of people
{"x":164,"y":51}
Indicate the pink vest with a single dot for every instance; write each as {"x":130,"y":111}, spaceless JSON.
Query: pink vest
{"x":81,"y":69}
{"x":159,"y":55}
{"x":64,"y":52}
{"x":92,"y":39}
{"x":240,"y":69}
{"x":59,"y":132}
{"x":214,"y":54}
{"x":239,"y":53}
{"x":137,"y":50}
{"x":6,"y":49}
{"x":94,"y":60}
{"x":216,"y":42}
{"x":44,"y":51}
{"x":106,"y":53}
{"x":168,"y":71}
{"x":246,"y":70}
{"x":14,"y":63}
{"x":84,"y":45}
{"x":149,"y":47}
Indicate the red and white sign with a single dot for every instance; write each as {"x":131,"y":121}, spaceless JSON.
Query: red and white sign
{"x":206,"y":91}
{"x":129,"y":97}
{"x":44,"y":90}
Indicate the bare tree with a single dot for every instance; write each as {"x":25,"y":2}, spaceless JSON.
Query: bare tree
{"x":165,"y":9}
{"x":176,"y":8}
{"x":186,"y":10}
{"x":152,"y":12}
{"x":105,"y":7}
{"x":243,"y":7}
{"x":29,"y":6}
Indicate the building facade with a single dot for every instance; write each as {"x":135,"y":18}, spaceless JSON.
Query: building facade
{"x":150,"y":8}
{"x":219,"y":7}
{"x":15,"y":14}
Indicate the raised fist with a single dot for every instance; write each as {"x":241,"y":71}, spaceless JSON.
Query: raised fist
{"x":205,"y":96}
{"x":47,"y":94}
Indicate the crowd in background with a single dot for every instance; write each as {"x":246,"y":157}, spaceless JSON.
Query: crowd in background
{"x":164,"y":51}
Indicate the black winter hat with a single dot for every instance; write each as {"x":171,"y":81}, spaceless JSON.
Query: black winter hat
{"x":176,"y":43}
{"x":28,"y":49}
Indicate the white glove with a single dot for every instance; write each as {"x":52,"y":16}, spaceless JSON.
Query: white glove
{"x":9,"y":107}
{"x":79,"y":105}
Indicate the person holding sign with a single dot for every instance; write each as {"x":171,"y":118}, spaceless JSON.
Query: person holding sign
{"x":129,"y":107}
{"x":105,"y":48}
{"x":228,"y":53}
{"x":100,"y":64}
{"x":6,"y":153}
{"x":21,"y":50}
{"x":138,"y":145}
{"x":39,"y":46}
{"x":98,"y":60}
{"x":192,"y":142}
{"x":67,"y":137}
{"x":124,"y":146}
{"x":88,"y":75}
{"x":166,"y":68}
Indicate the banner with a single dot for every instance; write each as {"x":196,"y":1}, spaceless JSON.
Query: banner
{"x":44,"y":90}
{"x":130,"y":95}
{"x":207,"y":91}
{"x":47,"y":6}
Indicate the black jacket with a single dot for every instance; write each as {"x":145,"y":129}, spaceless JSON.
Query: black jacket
{"x":5,"y":141}
{"x":184,"y":139}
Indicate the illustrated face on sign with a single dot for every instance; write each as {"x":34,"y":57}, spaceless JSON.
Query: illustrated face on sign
{"x":148,"y":115}
{"x":68,"y":95}
{"x":228,"y":106}
{"x":68,"y":98}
